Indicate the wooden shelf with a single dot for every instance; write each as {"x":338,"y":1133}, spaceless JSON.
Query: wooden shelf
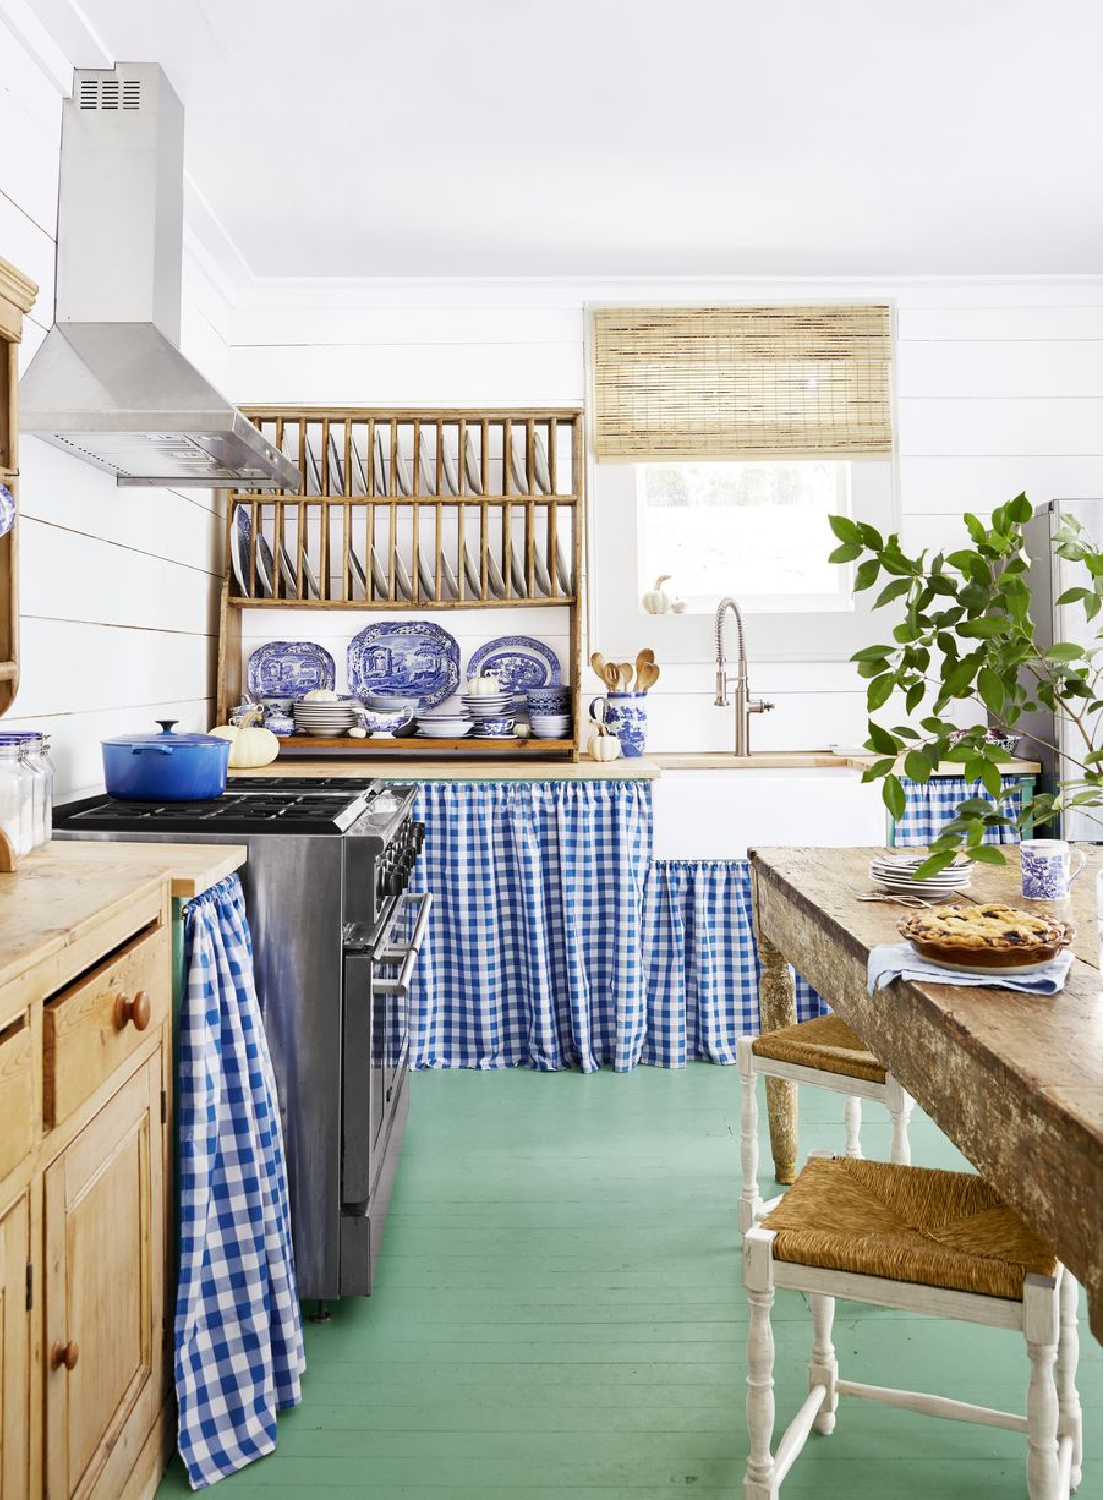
{"x":386,"y":606}
{"x":17,"y":295}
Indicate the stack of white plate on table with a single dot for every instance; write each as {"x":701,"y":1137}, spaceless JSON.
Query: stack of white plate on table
{"x":892,"y":873}
{"x":325,"y":720}
{"x":483,"y":706}
{"x":550,"y":726}
{"x":448,"y":721}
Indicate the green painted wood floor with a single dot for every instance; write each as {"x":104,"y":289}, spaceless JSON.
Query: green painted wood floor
{"x":559,"y":1313}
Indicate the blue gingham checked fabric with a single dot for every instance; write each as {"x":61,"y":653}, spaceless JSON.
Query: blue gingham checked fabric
{"x":238,"y":1332}
{"x":533,"y":955}
{"x":928,"y":806}
{"x":701,"y":965}
{"x":555,"y":942}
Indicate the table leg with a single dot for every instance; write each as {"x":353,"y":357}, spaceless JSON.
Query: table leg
{"x":778,"y":1008}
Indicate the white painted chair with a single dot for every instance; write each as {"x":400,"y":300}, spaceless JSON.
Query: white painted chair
{"x":952,"y":1250}
{"x":826,"y":1053}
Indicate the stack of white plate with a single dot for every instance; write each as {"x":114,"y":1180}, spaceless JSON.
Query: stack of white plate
{"x":482,"y":706}
{"x":893,"y":873}
{"x":448,"y":721}
{"x":325,"y":720}
{"x":550,"y":726}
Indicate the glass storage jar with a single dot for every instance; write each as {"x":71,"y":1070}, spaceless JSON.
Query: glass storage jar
{"x":36,"y":751}
{"x":16,"y":797}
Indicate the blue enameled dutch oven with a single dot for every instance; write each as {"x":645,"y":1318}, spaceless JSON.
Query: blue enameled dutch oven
{"x":166,"y":767}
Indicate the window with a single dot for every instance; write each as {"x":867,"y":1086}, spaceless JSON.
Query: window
{"x":758,"y":530}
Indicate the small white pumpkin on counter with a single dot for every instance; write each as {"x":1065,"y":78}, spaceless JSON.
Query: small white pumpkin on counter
{"x":602,"y":745}
{"x":250,"y":746}
{"x":655,"y":600}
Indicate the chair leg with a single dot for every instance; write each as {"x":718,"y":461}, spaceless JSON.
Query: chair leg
{"x":852,"y":1115}
{"x":1069,"y":1403}
{"x":899,"y":1105}
{"x":759,"y":1481}
{"x":1041,"y":1332}
{"x":824,"y":1367}
{"x":751,"y":1204}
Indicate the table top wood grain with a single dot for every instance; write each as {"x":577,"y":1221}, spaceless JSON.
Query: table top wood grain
{"x":1015,"y":1080}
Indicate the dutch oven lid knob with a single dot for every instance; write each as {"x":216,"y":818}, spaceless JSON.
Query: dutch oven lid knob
{"x":167,"y":725}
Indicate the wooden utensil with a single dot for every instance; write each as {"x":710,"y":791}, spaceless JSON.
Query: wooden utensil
{"x":598,"y":662}
{"x":647,"y":676}
{"x":647,"y":655}
{"x":626,"y":676}
{"x":611,"y":672}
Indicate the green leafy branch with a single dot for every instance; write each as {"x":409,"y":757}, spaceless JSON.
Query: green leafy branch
{"x":967,"y":634}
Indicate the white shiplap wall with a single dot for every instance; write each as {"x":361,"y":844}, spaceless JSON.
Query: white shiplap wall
{"x":999,"y":386}
{"x":117,"y":587}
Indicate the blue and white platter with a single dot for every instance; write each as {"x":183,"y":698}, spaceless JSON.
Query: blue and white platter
{"x":7,"y":510}
{"x":416,"y":659}
{"x":289,"y":669}
{"x":241,"y":535}
{"x":518,"y":661}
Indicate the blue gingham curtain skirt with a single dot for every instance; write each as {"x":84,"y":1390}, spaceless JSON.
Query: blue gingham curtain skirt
{"x":238,"y":1334}
{"x":556,"y":942}
{"x":929,"y":805}
{"x":533,"y":954}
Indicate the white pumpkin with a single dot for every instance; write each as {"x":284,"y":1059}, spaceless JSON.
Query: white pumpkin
{"x":656,"y":601}
{"x":249,"y":747}
{"x":320,"y":695}
{"x":604,"y":746}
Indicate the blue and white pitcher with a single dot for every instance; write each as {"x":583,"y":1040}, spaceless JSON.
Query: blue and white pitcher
{"x":626,"y":716}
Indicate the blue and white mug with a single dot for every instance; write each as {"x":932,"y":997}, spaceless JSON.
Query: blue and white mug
{"x":626,"y":716}
{"x":1046,"y":869}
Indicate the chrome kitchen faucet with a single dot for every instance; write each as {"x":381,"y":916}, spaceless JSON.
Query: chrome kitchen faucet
{"x":745,"y":706}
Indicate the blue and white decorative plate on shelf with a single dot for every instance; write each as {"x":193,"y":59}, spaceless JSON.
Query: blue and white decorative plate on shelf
{"x":7,"y":510}
{"x":518,"y":661}
{"x":289,"y":669}
{"x":416,"y":660}
{"x":241,"y":535}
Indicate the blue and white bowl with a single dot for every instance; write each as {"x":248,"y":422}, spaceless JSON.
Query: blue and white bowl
{"x":553,"y":700}
{"x":386,"y":723}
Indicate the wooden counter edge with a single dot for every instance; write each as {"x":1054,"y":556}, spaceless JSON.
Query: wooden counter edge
{"x":411,"y":769}
{"x":190,"y":868}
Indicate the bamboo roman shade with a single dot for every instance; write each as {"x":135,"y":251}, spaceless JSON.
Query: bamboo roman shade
{"x":683,"y":383}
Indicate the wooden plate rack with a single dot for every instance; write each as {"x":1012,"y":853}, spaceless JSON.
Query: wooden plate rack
{"x":411,"y":510}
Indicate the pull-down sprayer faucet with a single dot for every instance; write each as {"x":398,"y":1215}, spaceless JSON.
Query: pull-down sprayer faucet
{"x":745,"y":706}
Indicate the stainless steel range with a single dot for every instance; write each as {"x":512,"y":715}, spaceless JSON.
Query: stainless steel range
{"x":336,"y":934}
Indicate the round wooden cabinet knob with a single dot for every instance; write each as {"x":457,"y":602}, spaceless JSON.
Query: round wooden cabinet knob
{"x":134,"y":1010}
{"x":65,"y":1354}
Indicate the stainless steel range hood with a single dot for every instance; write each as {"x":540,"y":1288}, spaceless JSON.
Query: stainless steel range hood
{"x":109,"y":384}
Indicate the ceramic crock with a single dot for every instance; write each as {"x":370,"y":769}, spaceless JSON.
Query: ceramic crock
{"x":626,"y":716}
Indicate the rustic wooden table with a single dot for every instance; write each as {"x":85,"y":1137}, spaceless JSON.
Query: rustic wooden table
{"x":1015,"y":1080}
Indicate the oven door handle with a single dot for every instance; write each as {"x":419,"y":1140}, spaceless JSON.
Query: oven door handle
{"x":406,"y":956}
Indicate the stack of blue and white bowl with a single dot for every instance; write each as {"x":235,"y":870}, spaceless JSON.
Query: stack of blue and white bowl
{"x":549,"y":710}
{"x":493,"y":714}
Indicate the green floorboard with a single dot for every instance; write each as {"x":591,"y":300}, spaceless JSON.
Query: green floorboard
{"x":559,"y":1314}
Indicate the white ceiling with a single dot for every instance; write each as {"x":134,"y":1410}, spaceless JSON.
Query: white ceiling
{"x":353,"y":138}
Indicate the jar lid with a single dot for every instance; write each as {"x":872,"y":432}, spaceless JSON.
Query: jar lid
{"x":168,"y":735}
{"x":20,"y":736}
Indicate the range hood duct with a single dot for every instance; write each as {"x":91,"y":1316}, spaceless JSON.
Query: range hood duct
{"x":109,"y":384}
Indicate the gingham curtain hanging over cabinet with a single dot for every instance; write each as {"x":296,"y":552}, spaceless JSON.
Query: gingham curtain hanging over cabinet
{"x":238,"y":1334}
{"x":929,"y":805}
{"x":700,"y":962}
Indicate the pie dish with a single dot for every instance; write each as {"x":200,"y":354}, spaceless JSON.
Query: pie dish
{"x":990,"y":936}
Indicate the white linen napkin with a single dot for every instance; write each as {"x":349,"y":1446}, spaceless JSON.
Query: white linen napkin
{"x":901,"y":961}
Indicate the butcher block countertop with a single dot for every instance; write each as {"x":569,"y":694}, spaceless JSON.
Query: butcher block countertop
{"x":408,"y":769}
{"x":807,"y":760}
{"x":62,"y":890}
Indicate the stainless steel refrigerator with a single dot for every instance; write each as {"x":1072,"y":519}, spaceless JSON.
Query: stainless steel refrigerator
{"x":1049,"y":577}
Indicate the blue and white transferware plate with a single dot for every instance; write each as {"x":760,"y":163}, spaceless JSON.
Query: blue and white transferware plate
{"x":289,"y":669}
{"x":241,"y":534}
{"x":416,"y":659}
{"x":7,"y":510}
{"x":518,"y":661}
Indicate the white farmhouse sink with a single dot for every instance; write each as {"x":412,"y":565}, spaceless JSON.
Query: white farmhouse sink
{"x":721,"y":812}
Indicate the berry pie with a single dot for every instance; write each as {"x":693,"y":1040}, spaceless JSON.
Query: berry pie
{"x":992,"y":936}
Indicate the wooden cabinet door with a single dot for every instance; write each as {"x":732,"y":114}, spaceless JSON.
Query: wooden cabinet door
{"x":15,"y":1351}
{"x":102,"y":1343}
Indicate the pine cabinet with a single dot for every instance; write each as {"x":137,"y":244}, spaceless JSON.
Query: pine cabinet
{"x":15,"y":1349}
{"x":104,"y":1314}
